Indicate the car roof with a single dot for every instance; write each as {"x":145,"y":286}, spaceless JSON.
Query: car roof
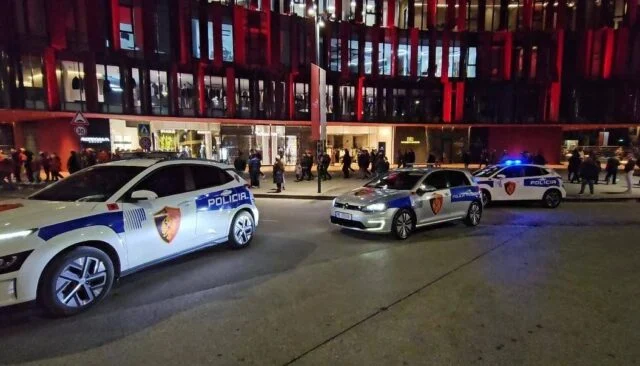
{"x":428,"y":170}
{"x":147,"y":162}
{"x":133,"y":162}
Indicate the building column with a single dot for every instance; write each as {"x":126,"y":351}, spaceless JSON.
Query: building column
{"x":508,"y":54}
{"x":391,"y":13}
{"x":359,"y":98}
{"x":216,"y":16}
{"x":608,"y":48}
{"x":183,"y":19}
{"x":414,"y":34}
{"x":51,"y":80}
{"x":459,"y":112}
{"x":239,"y":44}
{"x":231,"y":92}
{"x":200,"y":87}
{"x":555,"y":88}
{"x":174,"y":91}
{"x":90,"y":83}
{"x":115,"y":25}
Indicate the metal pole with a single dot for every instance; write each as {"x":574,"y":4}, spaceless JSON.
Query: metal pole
{"x":320,"y":142}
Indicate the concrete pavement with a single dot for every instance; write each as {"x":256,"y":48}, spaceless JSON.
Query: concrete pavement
{"x":529,"y":286}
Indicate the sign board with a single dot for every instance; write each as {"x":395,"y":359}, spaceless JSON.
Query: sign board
{"x":80,"y":130}
{"x":145,"y":143}
{"x":79,"y":120}
{"x":144,"y":130}
{"x":318,"y":103}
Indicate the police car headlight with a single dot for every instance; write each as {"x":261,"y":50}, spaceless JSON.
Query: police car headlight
{"x":376,"y":207}
{"x":16,"y":234}
{"x":333,"y":203}
{"x":13,"y":262}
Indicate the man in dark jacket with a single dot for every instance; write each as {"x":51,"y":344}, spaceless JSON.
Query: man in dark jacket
{"x":73,"y":164}
{"x":574,"y":167}
{"x":27,"y":164}
{"x":15,"y":156}
{"x":612,"y":169}
{"x":539,"y":159}
{"x":589,"y":173}
{"x":46,"y":165}
{"x":254,"y":170}
{"x":240,"y":163}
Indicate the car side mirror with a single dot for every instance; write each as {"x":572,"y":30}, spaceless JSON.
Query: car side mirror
{"x":423,"y":189}
{"x":143,"y":195}
{"x":501,"y":176}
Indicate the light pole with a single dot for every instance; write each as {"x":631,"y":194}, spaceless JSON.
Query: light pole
{"x":319,"y":23}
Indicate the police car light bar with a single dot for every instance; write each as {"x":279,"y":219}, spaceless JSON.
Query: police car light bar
{"x":513,"y":162}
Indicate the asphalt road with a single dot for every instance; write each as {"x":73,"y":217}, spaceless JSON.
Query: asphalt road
{"x":528,"y":286}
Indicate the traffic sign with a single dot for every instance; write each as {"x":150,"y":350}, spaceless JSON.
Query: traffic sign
{"x":145,"y":143}
{"x":79,"y":120}
{"x":80,"y":131}
{"x":144,"y":130}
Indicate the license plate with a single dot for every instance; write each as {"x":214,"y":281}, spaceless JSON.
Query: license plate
{"x":342,"y":215}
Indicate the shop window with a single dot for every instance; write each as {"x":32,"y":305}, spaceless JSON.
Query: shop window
{"x":301,"y":100}
{"x":353,"y":56}
{"x":335,"y":55}
{"x":370,"y":103}
{"x":215,"y":93}
{"x":163,"y":27}
{"x":417,"y":106}
{"x":227,"y":41}
{"x":399,"y":103}
{"x":368,"y":50}
{"x":384,"y":58}
{"x":471,"y":62}
{"x":195,"y":38}
{"x":110,"y":92}
{"x":33,"y":82}
{"x":186,"y":93}
{"x":492,"y":15}
{"x":243,"y":98}
{"x":159,"y":92}
{"x":135,"y":85}
{"x":404,"y":57}
{"x":72,"y":88}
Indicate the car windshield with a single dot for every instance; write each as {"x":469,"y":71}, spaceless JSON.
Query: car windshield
{"x":95,"y":184}
{"x":487,"y":172}
{"x":396,"y":180}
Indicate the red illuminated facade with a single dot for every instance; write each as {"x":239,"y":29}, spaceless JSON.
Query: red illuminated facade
{"x":504,"y":72}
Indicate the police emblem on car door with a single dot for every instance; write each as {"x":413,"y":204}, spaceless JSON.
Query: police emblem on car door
{"x":168,"y":223}
{"x":436,"y":203}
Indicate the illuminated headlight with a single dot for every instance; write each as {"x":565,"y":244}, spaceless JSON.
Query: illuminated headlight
{"x":376,"y":207}
{"x":333,"y":204}
{"x":16,"y":234}
{"x":13,"y":262}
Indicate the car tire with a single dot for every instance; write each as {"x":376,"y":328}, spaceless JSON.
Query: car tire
{"x":242,"y":230}
{"x":552,"y":198}
{"x":75,"y":281}
{"x":486,"y":197}
{"x":474,"y":214}
{"x":403,"y":224}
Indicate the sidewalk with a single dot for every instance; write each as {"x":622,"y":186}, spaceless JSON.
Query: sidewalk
{"x":338,"y":185}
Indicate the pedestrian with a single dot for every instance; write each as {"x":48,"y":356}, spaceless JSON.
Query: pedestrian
{"x":254,"y":171}
{"x":298,"y":171}
{"x":431,"y":160}
{"x":400,"y":159}
{"x":466,"y":159}
{"x":326,"y":162}
{"x":26,"y":157}
{"x":589,"y":173}
{"x":73,"y":163}
{"x":628,"y":172}
{"x":539,"y":159}
{"x":56,"y":165}
{"x":382,"y":165}
{"x":17,"y":166}
{"x":46,"y":165}
{"x":278,"y":174}
{"x":346,"y":164}
{"x":411,"y":158}
{"x":612,"y":169}
{"x":240,"y":163}
{"x":574,"y":167}
{"x":6,"y":168}
{"x":36,"y":166}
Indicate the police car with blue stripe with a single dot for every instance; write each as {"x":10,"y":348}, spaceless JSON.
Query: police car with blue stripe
{"x":515,"y":181}
{"x":405,"y":199}
{"x":64,"y":245}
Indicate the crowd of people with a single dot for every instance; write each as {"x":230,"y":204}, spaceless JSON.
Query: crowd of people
{"x":585,"y":169}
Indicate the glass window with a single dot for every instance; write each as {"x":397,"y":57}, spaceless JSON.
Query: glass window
{"x":109,"y":88}
{"x":384,"y":59}
{"x":216,"y":96}
{"x":486,"y":172}
{"x":163,"y":28}
{"x":227,"y":42}
{"x":423,"y":58}
{"x":533,"y":171}
{"x":135,"y":85}
{"x":165,"y":182}
{"x":159,"y":92}
{"x":404,"y":58}
{"x":438,"y":61}
{"x":32,"y":80}
{"x":94,"y":184}
{"x":368,"y":49}
{"x":437,"y":179}
{"x":209,"y":176}
{"x":195,"y":38}
{"x":186,"y":94}
{"x":513,"y":172}
{"x":72,"y":85}
{"x":127,"y":29}
{"x":397,"y":180}
{"x":457,"y":179}
{"x":353,"y":56}
{"x":454,"y":60}
{"x":471,"y":62}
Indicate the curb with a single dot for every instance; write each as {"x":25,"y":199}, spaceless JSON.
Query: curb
{"x":330,"y":198}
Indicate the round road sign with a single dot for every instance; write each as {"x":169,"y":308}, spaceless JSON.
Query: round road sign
{"x":145,"y":143}
{"x":80,"y":130}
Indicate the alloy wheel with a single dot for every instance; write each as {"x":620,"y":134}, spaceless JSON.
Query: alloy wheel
{"x":243,"y":230}
{"x":475,"y":213}
{"x":81,"y":282}
{"x":404,"y":225}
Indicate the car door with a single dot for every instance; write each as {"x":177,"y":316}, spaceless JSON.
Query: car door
{"x":510,"y":187}
{"x":164,"y":226}
{"x":435,"y":205}
{"x":537,"y":180}
{"x":462,"y":192}
{"x":217,"y":195}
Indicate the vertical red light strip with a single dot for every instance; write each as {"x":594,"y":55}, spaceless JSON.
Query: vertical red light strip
{"x":413,"y":65}
{"x":266,"y":29}
{"x":202,"y":96}
{"x":607,"y":62}
{"x":555,"y":90}
{"x":446,"y":102}
{"x":359,"y":98}
{"x":231,"y":92}
{"x":459,"y":113}
{"x":527,"y":14}
{"x":184,"y":21}
{"x":290,"y":95}
{"x":462,"y":16}
{"x":53,"y":96}
{"x":138,"y":24}
{"x":431,"y":13}
{"x":391,"y":13}
{"x":239,"y":20}
{"x":508,"y":54}
{"x":115,"y":25}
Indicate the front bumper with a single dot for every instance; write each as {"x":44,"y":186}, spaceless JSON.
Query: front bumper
{"x":375,"y":222}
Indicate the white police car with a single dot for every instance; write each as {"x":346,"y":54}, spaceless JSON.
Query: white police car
{"x":405,"y":199}
{"x":65,"y":244}
{"x":514,"y":181}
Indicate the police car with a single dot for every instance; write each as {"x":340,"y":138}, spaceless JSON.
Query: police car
{"x":406,"y":199}
{"x":64,"y":245}
{"x":514,"y":181}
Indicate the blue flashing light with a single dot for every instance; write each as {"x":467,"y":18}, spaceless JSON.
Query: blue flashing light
{"x":518,"y":162}
{"x":509,"y":162}
{"x":513,"y":162}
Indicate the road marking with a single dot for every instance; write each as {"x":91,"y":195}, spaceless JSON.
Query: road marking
{"x":266,"y":220}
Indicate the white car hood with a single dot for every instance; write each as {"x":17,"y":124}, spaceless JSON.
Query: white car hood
{"x":22,"y":214}
{"x":365,"y":196}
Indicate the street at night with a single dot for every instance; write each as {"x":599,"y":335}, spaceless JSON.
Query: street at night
{"x":527,"y":286}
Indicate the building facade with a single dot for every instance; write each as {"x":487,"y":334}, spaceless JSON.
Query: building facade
{"x":219,"y":77}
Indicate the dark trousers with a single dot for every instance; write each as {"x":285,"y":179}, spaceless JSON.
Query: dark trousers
{"x":27,"y":167}
{"x":55,"y":175}
{"x":16,"y":173}
{"x":47,"y":174}
{"x":255,"y":178}
{"x":586,"y":181}
{"x":345,"y":171}
{"x":574,"y":176}
{"x":611,"y":174}
{"x":324,"y":173}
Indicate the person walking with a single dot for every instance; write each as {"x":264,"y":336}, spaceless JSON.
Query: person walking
{"x":36,"y":166}
{"x":400,"y":159}
{"x":278,"y":174}
{"x":612,"y":169}
{"x":73,"y":163}
{"x":240,"y":163}
{"x":589,"y":173}
{"x":56,"y":166}
{"x":466,"y":159}
{"x":346,"y":164}
{"x":17,"y":166}
{"x":628,"y":173}
{"x":574,"y":167}
{"x":254,"y":170}
{"x":46,"y":165}
{"x":326,"y":162}
{"x":26,"y":157}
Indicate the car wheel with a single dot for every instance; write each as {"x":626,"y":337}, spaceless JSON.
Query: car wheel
{"x":486,"y":197}
{"x":474,"y":214}
{"x":552,"y":199}
{"x":403,"y":224}
{"x":242,"y":230}
{"x":75,"y":281}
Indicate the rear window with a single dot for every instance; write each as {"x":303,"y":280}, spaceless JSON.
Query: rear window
{"x":458,"y":179}
{"x":205,"y":176}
